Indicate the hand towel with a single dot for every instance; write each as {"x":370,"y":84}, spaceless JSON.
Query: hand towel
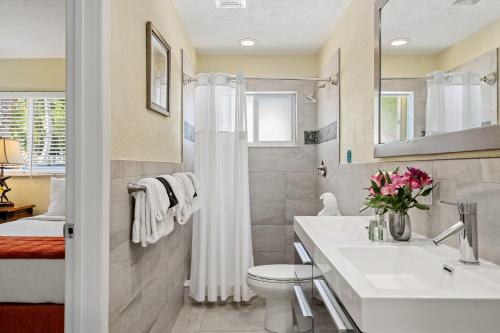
{"x":152,"y":220}
{"x":194,"y":180}
{"x":178,"y":189}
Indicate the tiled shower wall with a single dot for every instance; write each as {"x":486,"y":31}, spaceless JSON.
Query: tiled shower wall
{"x":282,"y":181}
{"x":146,"y":284}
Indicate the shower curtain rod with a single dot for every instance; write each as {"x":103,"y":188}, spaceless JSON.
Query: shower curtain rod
{"x":188,"y":79}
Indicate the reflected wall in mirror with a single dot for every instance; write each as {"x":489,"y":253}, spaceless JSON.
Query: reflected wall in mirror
{"x":438,"y":68}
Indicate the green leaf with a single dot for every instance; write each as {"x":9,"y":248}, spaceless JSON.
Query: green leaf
{"x":427,"y":192}
{"x":422,"y":206}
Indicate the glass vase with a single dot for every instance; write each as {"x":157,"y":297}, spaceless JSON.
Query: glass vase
{"x":400,"y":226}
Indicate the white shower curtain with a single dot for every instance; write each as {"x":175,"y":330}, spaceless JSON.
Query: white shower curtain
{"x":455,"y":101}
{"x":222,"y":242}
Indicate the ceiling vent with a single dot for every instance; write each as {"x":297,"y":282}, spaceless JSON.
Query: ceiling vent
{"x":465,"y":2}
{"x":231,"y":3}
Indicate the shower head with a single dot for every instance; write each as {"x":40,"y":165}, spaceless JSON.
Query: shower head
{"x":312,"y":95}
{"x":311,"y":98}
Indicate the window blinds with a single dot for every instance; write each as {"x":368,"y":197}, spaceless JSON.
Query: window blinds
{"x":38,"y":121}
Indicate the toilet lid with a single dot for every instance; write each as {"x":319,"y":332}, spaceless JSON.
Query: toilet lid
{"x":284,"y":272}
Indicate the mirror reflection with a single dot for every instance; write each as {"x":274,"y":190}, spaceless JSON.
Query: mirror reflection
{"x":439,"y":63}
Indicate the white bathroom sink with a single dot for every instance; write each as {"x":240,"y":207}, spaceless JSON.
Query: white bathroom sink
{"x":401,"y":287}
{"x":411,"y":268}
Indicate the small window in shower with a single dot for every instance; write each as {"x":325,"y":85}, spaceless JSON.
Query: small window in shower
{"x":271,"y":119}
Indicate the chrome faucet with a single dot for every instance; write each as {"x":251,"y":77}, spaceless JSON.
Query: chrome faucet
{"x":467,"y":230}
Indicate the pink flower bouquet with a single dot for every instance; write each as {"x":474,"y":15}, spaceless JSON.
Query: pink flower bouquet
{"x":392,"y":191}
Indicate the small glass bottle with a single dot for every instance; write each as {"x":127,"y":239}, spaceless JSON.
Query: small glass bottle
{"x":383,"y":232}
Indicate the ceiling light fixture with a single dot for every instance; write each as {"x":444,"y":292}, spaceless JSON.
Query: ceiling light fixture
{"x":231,"y":3}
{"x":248,"y":42}
{"x":400,"y":42}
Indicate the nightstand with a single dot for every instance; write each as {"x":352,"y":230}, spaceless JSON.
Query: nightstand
{"x":9,"y":214}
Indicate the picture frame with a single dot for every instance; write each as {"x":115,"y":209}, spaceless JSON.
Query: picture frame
{"x":158,"y":64}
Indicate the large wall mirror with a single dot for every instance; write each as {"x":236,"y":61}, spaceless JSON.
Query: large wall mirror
{"x":437,"y":76}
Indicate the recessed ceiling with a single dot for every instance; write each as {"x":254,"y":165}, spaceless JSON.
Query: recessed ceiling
{"x":32,"y":28}
{"x":431,"y":26}
{"x":279,"y":26}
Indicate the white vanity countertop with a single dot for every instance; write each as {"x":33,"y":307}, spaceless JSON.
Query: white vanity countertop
{"x":401,"y":286}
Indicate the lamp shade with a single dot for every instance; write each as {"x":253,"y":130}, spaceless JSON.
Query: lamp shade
{"x":10,"y":153}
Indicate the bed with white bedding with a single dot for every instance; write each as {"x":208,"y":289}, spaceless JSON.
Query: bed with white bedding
{"x":32,"y":280}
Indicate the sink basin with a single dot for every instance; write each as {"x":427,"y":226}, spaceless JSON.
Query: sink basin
{"x":411,"y":268}
{"x":401,"y":287}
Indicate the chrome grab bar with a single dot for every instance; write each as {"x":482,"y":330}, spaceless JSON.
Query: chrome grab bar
{"x":301,"y":251}
{"x":301,"y":298}
{"x":338,"y":317}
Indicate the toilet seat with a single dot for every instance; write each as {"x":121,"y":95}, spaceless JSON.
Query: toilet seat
{"x":282,"y":273}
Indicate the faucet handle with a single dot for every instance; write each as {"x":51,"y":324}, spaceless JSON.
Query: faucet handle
{"x":463,"y":207}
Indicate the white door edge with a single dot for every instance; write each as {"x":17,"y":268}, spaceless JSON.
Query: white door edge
{"x":87,"y":165}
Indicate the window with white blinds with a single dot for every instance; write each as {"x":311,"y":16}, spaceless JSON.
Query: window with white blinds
{"x":38,"y":121}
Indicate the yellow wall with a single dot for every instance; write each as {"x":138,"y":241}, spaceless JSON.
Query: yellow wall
{"x":260,"y":65}
{"x":471,"y":47}
{"x":354,"y":35}
{"x":32,"y":74}
{"x":408,"y":65}
{"x":138,"y":133}
{"x":30,"y":191}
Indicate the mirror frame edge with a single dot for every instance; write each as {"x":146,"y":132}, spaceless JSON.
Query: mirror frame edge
{"x":475,"y":139}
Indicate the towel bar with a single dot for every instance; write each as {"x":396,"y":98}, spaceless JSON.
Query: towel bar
{"x":135,"y":188}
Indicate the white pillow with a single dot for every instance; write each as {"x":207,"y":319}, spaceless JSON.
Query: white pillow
{"x":57,"y":206}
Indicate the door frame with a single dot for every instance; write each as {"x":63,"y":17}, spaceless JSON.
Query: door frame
{"x":87,"y":165}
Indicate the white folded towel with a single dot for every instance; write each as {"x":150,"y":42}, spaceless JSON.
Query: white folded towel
{"x":152,"y":220}
{"x":190,"y":186}
{"x":194,"y":180}
{"x":178,"y":189}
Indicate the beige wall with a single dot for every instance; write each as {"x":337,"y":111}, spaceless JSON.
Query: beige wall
{"x":470,"y":48}
{"x":32,"y":75}
{"x":30,"y":191}
{"x":138,"y":133}
{"x":354,"y":35}
{"x":408,"y":65}
{"x":260,"y":65}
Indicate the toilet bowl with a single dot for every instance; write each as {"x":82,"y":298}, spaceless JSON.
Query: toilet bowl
{"x":275,"y":284}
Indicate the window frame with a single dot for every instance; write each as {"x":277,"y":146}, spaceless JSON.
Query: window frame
{"x":34,"y":170}
{"x":410,"y":113}
{"x":272,"y":144}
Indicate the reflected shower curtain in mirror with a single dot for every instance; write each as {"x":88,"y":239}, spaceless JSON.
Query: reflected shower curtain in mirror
{"x":222,"y":242}
{"x":455,"y":102}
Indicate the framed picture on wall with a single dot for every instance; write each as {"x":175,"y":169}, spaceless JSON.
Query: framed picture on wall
{"x":157,"y":71}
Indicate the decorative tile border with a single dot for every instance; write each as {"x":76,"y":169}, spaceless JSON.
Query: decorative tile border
{"x":328,"y":133}
{"x":189,"y":132}
{"x":310,"y":137}
{"x":324,"y":134}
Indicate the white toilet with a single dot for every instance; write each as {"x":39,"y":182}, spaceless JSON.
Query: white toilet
{"x":275,"y":283}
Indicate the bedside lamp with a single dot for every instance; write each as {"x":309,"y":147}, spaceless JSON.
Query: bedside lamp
{"x":10,"y":157}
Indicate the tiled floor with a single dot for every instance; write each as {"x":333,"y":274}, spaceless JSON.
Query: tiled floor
{"x":221,"y":318}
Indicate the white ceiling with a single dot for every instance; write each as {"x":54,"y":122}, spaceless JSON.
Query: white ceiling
{"x":279,"y":26}
{"x":32,"y":28}
{"x":433,"y":25}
